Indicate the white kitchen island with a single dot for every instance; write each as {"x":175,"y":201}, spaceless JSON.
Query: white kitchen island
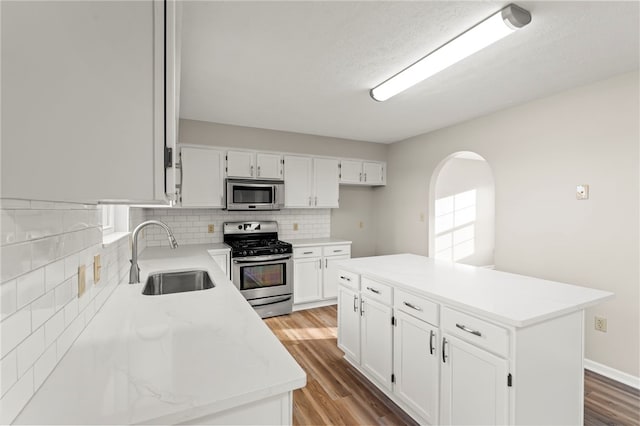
{"x":457,"y":344}
{"x":199,"y":357}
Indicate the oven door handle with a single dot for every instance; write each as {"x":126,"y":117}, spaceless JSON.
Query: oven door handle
{"x":270,"y":302}
{"x":258,"y":259}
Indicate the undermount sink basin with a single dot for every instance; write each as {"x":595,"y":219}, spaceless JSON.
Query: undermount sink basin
{"x":177,"y":282}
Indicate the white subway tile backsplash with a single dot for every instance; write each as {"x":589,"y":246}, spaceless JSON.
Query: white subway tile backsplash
{"x":54,"y":328}
{"x":42,"y":309}
{"x":30,"y":287}
{"x":54,"y":274}
{"x":14,"y":329}
{"x":8,"y":372}
{"x":16,"y":398}
{"x":7,"y":227}
{"x":44,"y":366}
{"x":41,"y":247}
{"x":15,"y":260}
{"x":30,"y":350}
{"x":8,"y":299}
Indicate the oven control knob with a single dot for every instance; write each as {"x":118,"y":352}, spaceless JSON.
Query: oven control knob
{"x":251,"y":252}
{"x":240,"y":227}
{"x":281,"y":250}
{"x":244,"y":253}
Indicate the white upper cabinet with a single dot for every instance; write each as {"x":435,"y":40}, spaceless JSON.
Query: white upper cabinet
{"x":297,"y":181}
{"x":269,"y":166}
{"x":373,"y":173}
{"x":310,"y":182}
{"x":241,"y":164}
{"x":325,"y":179}
{"x":247,"y":164}
{"x":356,"y":172}
{"x":85,"y":92}
{"x":202,"y":177}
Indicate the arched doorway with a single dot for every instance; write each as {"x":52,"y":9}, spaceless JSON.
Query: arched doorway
{"x":462,"y":210}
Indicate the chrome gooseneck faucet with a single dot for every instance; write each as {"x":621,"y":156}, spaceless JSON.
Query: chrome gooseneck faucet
{"x":134,"y":272}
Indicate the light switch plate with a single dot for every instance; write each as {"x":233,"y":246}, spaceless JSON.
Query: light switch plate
{"x":96,"y":268}
{"x":82,"y":280}
{"x":211,"y":229}
{"x":295,"y":226}
{"x":582,"y":192}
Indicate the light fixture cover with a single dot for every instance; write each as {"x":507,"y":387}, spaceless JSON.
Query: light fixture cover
{"x":492,"y":29}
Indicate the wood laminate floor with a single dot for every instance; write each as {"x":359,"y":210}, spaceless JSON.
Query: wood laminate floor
{"x":337,"y":394}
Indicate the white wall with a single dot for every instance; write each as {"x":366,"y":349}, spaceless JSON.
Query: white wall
{"x":41,"y":314}
{"x":539,"y":152}
{"x":456,"y":178}
{"x":355,"y":203}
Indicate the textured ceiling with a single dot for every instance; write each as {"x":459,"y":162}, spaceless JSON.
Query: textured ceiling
{"x":307,"y":67}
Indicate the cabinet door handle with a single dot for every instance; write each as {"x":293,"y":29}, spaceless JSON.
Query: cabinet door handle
{"x":258,"y":171}
{"x":469,"y":330}
{"x":355,"y":303}
{"x":361,"y":307}
{"x":412,"y":306}
{"x":444,"y":352}
{"x":326,"y":263}
{"x":251,"y":171}
{"x":373,"y":290}
{"x":365,"y":177}
{"x":431,"y":336}
{"x":316,"y":201}
{"x":320,"y":260}
{"x":360,"y":178}
{"x":309,"y":200}
{"x":342,"y":277}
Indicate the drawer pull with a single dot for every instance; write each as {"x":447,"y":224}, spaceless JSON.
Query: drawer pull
{"x":412,"y":306}
{"x":307,"y":252}
{"x":373,"y":290}
{"x":431,"y":336}
{"x":469,"y":330}
{"x":337,"y":251}
{"x":344,"y":278}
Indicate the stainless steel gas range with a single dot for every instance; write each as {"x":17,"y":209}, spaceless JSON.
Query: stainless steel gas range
{"x":261,"y":266}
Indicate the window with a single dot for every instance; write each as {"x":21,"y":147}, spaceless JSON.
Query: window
{"x":455,"y":218}
{"x":108,"y":219}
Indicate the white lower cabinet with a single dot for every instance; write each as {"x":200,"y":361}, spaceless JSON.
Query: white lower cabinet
{"x":473,"y":385}
{"x":349,"y":322}
{"x":315,"y":274}
{"x":376,"y":340}
{"x":416,"y":365}
{"x":307,"y":279}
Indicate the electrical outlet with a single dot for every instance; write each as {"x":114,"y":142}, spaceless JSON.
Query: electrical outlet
{"x":600,"y":324}
{"x":582,"y":192}
{"x":96,"y":268}
{"x":295,"y":226}
{"x":361,"y":224}
{"x":211,"y":229}
{"x":82,"y":279}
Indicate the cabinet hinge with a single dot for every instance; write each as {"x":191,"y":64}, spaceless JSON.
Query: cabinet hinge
{"x":168,"y":157}
{"x":393,"y":378}
{"x":509,"y":380}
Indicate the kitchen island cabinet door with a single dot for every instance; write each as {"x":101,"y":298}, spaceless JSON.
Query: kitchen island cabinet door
{"x":349,"y":323}
{"x":416,"y":365}
{"x":377,"y":348}
{"x":88,"y":100}
{"x":474,"y":386}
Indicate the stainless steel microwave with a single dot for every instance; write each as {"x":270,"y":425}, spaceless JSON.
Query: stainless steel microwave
{"x":245,"y":194}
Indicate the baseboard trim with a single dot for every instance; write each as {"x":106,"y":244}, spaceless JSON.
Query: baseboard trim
{"x":316,"y":304}
{"x":612,"y":373}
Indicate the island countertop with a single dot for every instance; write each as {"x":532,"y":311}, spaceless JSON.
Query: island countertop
{"x":511,"y":299}
{"x":166,"y":359}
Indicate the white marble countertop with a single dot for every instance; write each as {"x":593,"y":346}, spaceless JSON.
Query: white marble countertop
{"x":511,"y":299}
{"x":166,"y":359}
{"x":309,"y":242}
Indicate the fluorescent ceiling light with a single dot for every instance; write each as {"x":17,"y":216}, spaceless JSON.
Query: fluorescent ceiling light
{"x":492,"y":29}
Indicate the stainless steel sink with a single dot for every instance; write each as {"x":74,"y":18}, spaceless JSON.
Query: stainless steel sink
{"x":177,"y":282}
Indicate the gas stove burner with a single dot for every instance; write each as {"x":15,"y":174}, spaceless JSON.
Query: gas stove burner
{"x":254,"y":239}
